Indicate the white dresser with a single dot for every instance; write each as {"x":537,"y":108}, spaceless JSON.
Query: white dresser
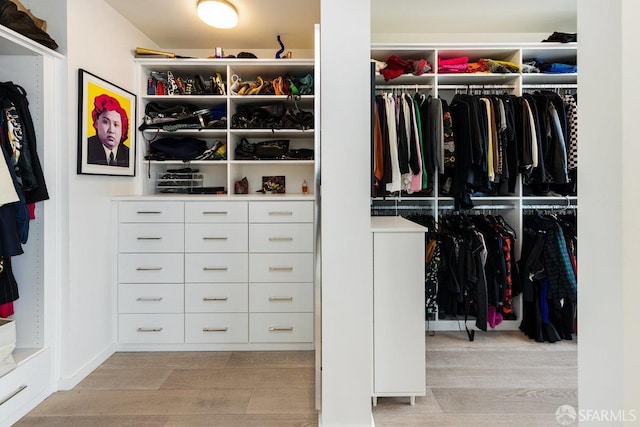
{"x":203,"y":274}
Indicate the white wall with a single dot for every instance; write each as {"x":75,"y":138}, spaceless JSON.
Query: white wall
{"x":347,"y":291}
{"x":609,"y":231}
{"x":100,"y":41}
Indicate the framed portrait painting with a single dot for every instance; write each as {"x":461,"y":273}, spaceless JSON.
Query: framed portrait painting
{"x":106,"y":130}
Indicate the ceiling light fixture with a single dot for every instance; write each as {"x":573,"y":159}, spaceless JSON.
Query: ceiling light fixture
{"x":218,"y":13}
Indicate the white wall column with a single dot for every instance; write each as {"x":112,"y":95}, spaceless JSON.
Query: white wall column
{"x":609,"y":198}
{"x":346,"y":237}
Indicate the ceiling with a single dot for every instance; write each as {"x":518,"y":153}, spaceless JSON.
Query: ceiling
{"x":176,"y":24}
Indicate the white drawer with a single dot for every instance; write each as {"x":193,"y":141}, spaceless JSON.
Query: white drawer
{"x":225,"y":212}
{"x":217,"y":328}
{"x":151,"y":268}
{"x":151,"y":211}
{"x":151,"y":237}
{"x":281,"y":212}
{"x":216,"y":268}
{"x":281,"y":327}
{"x":21,"y":387}
{"x":151,"y":328}
{"x":281,"y":297}
{"x":216,"y":237}
{"x":151,"y":298}
{"x":281,"y":267}
{"x":216,"y":298}
{"x":281,"y":237}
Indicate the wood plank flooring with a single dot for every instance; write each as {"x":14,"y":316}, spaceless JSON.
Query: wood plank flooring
{"x":500,"y":379}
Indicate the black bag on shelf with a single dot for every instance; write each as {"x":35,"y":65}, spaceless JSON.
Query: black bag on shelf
{"x":176,"y":148}
{"x":180,"y":116}
{"x":267,"y":116}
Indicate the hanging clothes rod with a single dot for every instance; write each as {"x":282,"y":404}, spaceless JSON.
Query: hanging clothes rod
{"x":383,"y":87}
{"x":552,"y":207}
{"x":551,"y":86}
{"x":488,"y":86}
{"x":479,"y":207}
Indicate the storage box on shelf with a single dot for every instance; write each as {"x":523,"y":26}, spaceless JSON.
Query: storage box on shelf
{"x":262,"y":74}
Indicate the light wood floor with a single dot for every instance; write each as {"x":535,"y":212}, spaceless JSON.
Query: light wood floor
{"x":500,"y":379}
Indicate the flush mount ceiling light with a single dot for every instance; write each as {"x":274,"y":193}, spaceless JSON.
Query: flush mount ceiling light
{"x":218,"y":13}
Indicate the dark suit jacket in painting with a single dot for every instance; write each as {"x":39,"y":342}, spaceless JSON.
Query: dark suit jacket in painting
{"x":96,"y":156}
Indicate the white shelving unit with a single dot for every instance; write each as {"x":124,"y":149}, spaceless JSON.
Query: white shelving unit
{"x":510,"y":206}
{"x":224,"y":173}
{"x":38,"y":70}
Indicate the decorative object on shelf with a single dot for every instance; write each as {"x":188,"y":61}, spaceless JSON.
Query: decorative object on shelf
{"x":273,"y":184}
{"x":281,"y":50}
{"x":106,"y":144}
{"x":242,"y":186}
{"x":22,"y":22}
{"x":305,"y":187}
{"x":218,"y":13}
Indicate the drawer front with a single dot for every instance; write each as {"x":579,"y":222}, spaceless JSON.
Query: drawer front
{"x":151,"y":268}
{"x":281,"y":212}
{"x":225,"y":212}
{"x":216,"y":237}
{"x":281,"y":237}
{"x":216,"y":268}
{"x":151,"y":237}
{"x":281,"y":297}
{"x":151,"y":328}
{"x":151,"y":211}
{"x":22,"y":386}
{"x":281,"y":327}
{"x":216,"y":298}
{"x":281,"y":268}
{"x":151,"y":298}
{"x":217,"y":328}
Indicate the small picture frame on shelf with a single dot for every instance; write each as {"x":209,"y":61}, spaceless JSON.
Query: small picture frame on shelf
{"x":106,"y":131}
{"x":273,"y":184}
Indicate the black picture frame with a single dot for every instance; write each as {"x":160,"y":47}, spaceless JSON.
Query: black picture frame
{"x":104,"y":111}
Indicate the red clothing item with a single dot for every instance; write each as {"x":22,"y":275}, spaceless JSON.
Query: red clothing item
{"x":6,"y":310}
{"x":32,"y":210}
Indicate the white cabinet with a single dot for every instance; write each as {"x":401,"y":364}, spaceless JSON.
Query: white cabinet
{"x":398,"y":308}
{"x":207,"y":274}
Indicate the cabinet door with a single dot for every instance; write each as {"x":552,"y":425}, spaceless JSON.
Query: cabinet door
{"x":280,"y":327}
{"x":151,"y":211}
{"x":217,"y":328}
{"x":151,"y":328}
{"x":280,"y":297}
{"x":280,"y":212}
{"x":223,"y":212}
{"x":216,"y":297}
{"x":281,"y":237}
{"x":216,"y":237}
{"x":151,"y":298}
{"x":151,"y":268}
{"x":398,"y":313}
{"x":151,"y":237}
{"x":216,"y":268}
{"x":281,"y":267}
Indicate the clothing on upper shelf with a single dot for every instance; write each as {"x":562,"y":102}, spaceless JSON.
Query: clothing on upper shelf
{"x":548,"y":269}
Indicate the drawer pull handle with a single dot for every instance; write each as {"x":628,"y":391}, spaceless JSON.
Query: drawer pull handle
{"x":149,"y":329}
{"x":215,"y":268}
{"x":280,"y":239}
{"x":287,"y":213}
{"x":149,"y":238}
{"x":150,"y":212}
{"x":280,"y":268}
{"x":215,"y":238}
{"x":12,"y":395}
{"x":149,"y":268}
{"x":215,"y":213}
{"x":280,"y":298}
{"x":276,"y":329}
{"x":149,"y":299}
{"x":215,"y":299}
{"x":225,"y":329}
